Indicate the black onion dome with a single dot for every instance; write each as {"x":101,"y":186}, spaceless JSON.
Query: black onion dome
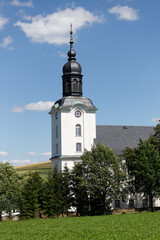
{"x":72,"y":67}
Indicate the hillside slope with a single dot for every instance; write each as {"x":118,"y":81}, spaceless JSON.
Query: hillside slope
{"x":35,"y":166}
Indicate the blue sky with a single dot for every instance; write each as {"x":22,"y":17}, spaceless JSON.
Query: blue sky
{"x":117,"y":45}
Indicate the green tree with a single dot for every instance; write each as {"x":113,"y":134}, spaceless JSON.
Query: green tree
{"x":31,"y":196}
{"x":80,"y":198}
{"x":9,"y":188}
{"x":66,"y":190}
{"x":104,"y":176}
{"x":57,"y":191}
{"x":143,"y":164}
{"x":48,"y":198}
{"x":155,"y":138}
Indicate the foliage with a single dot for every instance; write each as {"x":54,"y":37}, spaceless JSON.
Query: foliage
{"x":80,"y":196}
{"x":116,"y":227}
{"x":155,"y":138}
{"x":9,"y":188}
{"x":57,"y":193}
{"x":103,"y":176}
{"x":66,"y":191}
{"x":143,"y":164}
{"x":47,"y":199}
{"x":31,"y":196}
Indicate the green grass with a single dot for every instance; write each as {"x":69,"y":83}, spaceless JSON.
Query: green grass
{"x":137,"y":226}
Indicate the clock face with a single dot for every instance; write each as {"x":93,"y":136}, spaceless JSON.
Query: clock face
{"x":77,"y":113}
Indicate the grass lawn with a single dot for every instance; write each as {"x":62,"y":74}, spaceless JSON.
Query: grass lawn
{"x":125,"y":226}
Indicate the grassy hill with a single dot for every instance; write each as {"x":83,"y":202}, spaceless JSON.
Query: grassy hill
{"x":42,"y":168}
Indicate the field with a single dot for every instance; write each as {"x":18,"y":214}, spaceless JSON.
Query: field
{"x":138,"y":226}
{"x":42,"y":168}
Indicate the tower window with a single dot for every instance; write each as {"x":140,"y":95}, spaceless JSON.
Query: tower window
{"x":78,"y":130}
{"x":78,"y":147}
{"x":75,"y":85}
{"x":77,"y":113}
{"x":56,"y":131}
{"x":56,"y":148}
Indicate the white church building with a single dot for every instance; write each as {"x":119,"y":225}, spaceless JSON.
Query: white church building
{"x":73,"y":121}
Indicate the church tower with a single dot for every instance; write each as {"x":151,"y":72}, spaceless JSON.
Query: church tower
{"x":72,"y":117}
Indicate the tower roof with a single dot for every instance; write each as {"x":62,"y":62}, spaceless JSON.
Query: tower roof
{"x":72,"y":77}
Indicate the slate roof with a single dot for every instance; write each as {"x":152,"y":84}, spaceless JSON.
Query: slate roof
{"x":67,"y":102}
{"x":120,"y":137}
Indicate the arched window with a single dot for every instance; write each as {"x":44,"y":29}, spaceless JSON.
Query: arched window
{"x":78,"y":147}
{"x":78,"y":130}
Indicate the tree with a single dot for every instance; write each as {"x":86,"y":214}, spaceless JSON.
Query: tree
{"x":48,"y":199}
{"x":143,"y":164}
{"x":66,"y":191}
{"x":57,"y":191}
{"x":80,"y":198}
{"x":155,"y":138}
{"x":31,"y":196}
{"x":9,"y":188}
{"x":104,"y":175}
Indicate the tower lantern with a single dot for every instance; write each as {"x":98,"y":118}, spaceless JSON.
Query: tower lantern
{"x":72,"y":77}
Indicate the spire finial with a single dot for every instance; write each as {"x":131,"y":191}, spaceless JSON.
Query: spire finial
{"x":71,"y":32}
{"x":71,"y":53}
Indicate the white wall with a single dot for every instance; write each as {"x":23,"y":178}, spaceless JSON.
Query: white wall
{"x":67,"y":139}
{"x":88,"y":131}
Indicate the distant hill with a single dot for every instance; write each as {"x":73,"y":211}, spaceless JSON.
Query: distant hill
{"x":42,"y":167}
{"x":34,"y":166}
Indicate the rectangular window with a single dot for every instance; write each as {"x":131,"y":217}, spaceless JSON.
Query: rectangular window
{"x":56,"y":131}
{"x":56,"y":148}
{"x":78,"y":147}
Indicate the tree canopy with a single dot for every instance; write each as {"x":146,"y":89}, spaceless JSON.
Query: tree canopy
{"x":9,"y":188}
{"x":143,"y":164}
{"x":103,"y":174}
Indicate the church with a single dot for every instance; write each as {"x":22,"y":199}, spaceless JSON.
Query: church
{"x":73,"y":127}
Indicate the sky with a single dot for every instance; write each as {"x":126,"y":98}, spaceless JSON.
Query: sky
{"x":118,"y":46}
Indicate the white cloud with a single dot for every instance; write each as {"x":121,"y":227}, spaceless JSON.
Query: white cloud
{"x":18,"y":162}
{"x":124,"y":13}
{"x":22,"y":4}
{"x":3,"y":22}
{"x":3,"y":154}
{"x":32,"y":154}
{"x":39,"y":106}
{"x":46,"y":154}
{"x":17,"y":109}
{"x":155,"y":119}
{"x":54,"y":28}
{"x":6,"y":42}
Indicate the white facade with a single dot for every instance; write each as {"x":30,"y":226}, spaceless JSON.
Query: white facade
{"x":73,"y":130}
